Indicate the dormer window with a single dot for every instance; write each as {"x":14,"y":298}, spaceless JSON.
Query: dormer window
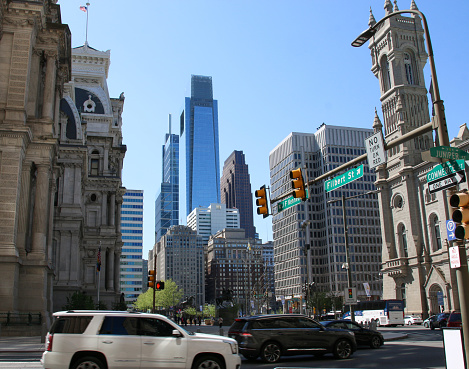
{"x":89,"y":105}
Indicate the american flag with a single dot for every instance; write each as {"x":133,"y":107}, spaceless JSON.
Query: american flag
{"x":98,"y":263}
{"x":84,"y":8}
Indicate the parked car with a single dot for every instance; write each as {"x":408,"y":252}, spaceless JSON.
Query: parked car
{"x":273,"y":336}
{"x":412,"y":319}
{"x":454,"y":319}
{"x":363,"y":336}
{"x":111,"y":339}
{"x":440,"y":321}
{"x":426,"y":322}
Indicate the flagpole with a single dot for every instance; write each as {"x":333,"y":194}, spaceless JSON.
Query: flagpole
{"x":87,"y":12}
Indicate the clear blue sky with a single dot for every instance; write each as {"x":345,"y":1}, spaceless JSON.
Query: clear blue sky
{"x":277,"y":67}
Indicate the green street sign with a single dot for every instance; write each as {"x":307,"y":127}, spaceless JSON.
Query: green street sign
{"x":288,"y":203}
{"x":344,"y":179}
{"x":445,"y":169}
{"x":447,"y":152}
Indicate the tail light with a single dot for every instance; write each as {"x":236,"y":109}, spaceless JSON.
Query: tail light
{"x":246,"y":334}
{"x":49,"y":342}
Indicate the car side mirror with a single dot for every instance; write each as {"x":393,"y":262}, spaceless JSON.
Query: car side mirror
{"x":176,"y":333}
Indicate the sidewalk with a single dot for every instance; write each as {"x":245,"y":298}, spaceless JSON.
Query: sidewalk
{"x":33,"y":344}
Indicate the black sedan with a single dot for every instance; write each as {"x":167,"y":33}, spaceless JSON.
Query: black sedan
{"x":363,"y":336}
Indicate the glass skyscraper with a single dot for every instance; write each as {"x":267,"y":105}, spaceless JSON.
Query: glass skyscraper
{"x":200,"y":164}
{"x":167,"y":202}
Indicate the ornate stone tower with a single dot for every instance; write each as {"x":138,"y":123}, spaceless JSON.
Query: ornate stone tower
{"x":35,"y":62}
{"x":90,"y":194}
{"x":398,"y":57}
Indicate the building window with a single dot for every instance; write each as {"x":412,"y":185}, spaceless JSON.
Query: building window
{"x":385,"y":74}
{"x":409,"y":72}
{"x":94,"y":170}
{"x":437,"y":235}
{"x":403,"y":240}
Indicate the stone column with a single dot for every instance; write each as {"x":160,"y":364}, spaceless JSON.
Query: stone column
{"x":112,"y":212}
{"x":23,"y":208}
{"x":41,"y":210}
{"x":33,"y":82}
{"x":49,"y":85}
{"x":110,"y":270}
{"x":104,"y":210}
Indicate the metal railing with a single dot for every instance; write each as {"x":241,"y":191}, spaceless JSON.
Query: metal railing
{"x":7,"y":319}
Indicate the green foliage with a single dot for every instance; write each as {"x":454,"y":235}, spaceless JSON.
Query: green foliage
{"x":208,"y":311}
{"x":79,"y":301}
{"x":170,"y":296}
{"x":190,"y":311}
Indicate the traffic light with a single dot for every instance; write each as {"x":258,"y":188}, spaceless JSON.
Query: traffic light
{"x":350,"y":293}
{"x":261,"y":202}
{"x":159,"y":286}
{"x":151,"y":278}
{"x":461,"y":215}
{"x":298,"y":184}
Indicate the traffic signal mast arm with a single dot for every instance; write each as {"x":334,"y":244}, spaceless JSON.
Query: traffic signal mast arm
{"x":408,"y":136}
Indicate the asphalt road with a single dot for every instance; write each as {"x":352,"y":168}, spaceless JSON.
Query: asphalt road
{"x":422,"y":349}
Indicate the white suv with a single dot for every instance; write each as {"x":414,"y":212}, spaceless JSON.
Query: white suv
{"x":84,"y":339}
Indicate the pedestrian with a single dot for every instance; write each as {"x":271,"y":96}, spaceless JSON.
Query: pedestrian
{"x":220,"y":321}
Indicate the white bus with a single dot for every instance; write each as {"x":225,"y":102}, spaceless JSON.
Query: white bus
{"x":384,"y":312}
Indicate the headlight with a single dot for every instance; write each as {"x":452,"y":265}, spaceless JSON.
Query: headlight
{"x":353,"y":334}
{"x":233,"y":345}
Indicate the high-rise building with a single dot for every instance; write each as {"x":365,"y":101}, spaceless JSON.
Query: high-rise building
{"x":268,"y":278}
{"x":320,"y":152}
{"x":235,"y":264}
{"x":180,"y":257}
{"x":131,"y":262}
{"x":167,"y":202}
{"x":200,"y":163}
{"x":210,"y":220}
{"x":236,"y":190}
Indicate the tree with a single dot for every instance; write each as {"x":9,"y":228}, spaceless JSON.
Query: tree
{"x":170,"y":296}
{"x":79,"y":301}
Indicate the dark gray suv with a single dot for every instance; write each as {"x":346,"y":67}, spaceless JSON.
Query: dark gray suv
{"x":272,"y":336}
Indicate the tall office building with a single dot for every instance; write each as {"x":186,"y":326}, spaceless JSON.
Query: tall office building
{"x":328,"y":148}
{"x":235,"y":263}
{"x":180,"y":257}
{"x":210,"y":220}
{"x":131,"y":263}
{"x":236,"y":190}
{"x":167,"y":202}
{"x":200,"y":163}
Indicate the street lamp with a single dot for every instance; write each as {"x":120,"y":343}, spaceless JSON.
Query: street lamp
{"x":305,"y":227}
{"x":443,"y":138}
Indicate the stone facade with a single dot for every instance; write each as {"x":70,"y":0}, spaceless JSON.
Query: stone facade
{"x":35,"y":61}
{"x":414,"y":251}
{"x":90,"y":194}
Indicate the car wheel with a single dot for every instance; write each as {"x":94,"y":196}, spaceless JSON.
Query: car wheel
{"x":88,"y":362}
{"x":375,"y":342}
{"x":342,"y":349}
{"x":208,"y":362}
{"x":271,"y":352}
{"x":432,"y":327}
{"x":250,"y":357}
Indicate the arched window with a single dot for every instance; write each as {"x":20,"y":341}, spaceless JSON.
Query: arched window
{"x":403,"y":241}
{"x":437,"y":235}
{"x":385,"y":74}
{"x":409,"y":70}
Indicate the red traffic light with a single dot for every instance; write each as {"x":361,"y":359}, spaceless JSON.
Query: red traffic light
{"x":159,"y":286}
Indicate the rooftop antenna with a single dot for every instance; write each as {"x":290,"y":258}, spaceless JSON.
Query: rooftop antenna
{"x":85,"y":9}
